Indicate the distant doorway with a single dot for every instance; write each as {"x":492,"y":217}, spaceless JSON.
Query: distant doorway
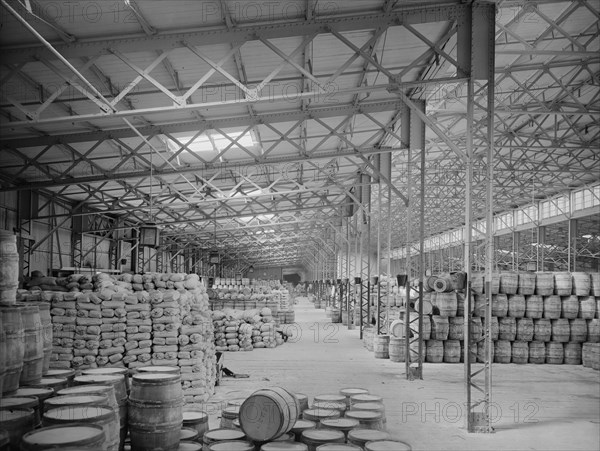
{"x":292,"y":278}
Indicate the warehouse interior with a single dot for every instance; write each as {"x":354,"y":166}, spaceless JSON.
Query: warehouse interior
{"x":330,"y":155}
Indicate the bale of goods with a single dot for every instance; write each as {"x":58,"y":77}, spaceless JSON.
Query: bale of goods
{"x":381,"y":345}
{"x":502,"y":351}
{"x":281,"y":406}
{"x":570,"y":307}
{"x":509,"y":282}
{"x":439,"y":327}
{"x":581,"y":283}
{"x":12,"y":363}
{"x":72,"y":436}
{"x":552,"y":307}
{"x":99,"y":416}
{"x":534,"y":306}
{"x":561,"y":330}
{"x":499,"y":305}
{"x":554,"y":353}
{"x":563,"y":283}
{"x":590,"y":355}
{"x":435,"y":351}
{"x":155,"y":411}
{"x":451,"y":351}
{"x":526,"y":283}
{"x":544,"y":283}
{"x":9,"y":268}
{"x":587,"y":307}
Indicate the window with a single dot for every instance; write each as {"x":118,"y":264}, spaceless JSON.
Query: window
{"x":212,"y":141}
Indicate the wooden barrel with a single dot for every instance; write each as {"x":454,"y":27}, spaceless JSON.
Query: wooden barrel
{"x":114,"y":371}
{"x":77,"y":400}
{"x":340,"y":424}
{"x":9,"y":268}
{"x":33,"y":357}
{"x":534,"y":306}
{"x":155,"y":411}
{"x":439,"y":327}
{"x":302,"y":400}
{"x":221,"y":435}
{"x":55,"y":383}
{"x":228,"y":415}
{"x":12,"y":325}
{"x":593,"y":327}
{"x":570,"y":307}
{"x":301,"y":426}
{"x":456,"y":328}
{"x":451,"y":351}
{"x":507,"y":328}
{"x":368,"y":338}
{"x":336,"y":315}
{"x":516,"y":305}
{"x":554,"y":353}
{"x":460,"y":304}
{"x":500,"y":305}
{"x":73,"y":436}
{"x":100,"y":416}
{"x":509,"y":282}
{"x":481,"y":351}
{"x":348,"y":393}
{"x":561,"y":330}
{"x":502,"y":351}
{"x":278,"y":405}
{"x":234,"y":445}
{"x":371,"y":407}
{"x":313,"y":438}
{"x":435,"y":351}
{"x":381,"y":345}
{"x":476,"y":328}
{"x":46,"y":326}
{"x":443,"y":284}
{"x":41,"y":394}
{"x":368,"y":419}
{"x":563,"y":284}
{"x":581,"y":283}
{"x":17,"y":421}
{"x":426,"y":333}
{"x":537,"y":352}
{"x":23,"y":402}
{"x":364,"y":397}
{"x":579,"y":330}
{"x":525,"y":329}
{"x":587,"y":307}
{"x":590,"y":355}
{"x":285,"y":446}
{"x":479,"y":304}
{"x":398,"y":328}
{"x":552,"y":307}
{"x":520,"y":352}
{"x":526,"y":283}
{"x":318,"y":415}
{"x":330,"y":405}
{"x":107,"y":391}
{"x":544,"y":283}
{"x":494,"y":328}
{"x":595,"y":284}
{"x":572,"y":352}
{"x":397,"y":349}
{"x":387,"y":445}
{"x":196,"y":420}
{"x":360,"y":437}
{"x":542,"y":329}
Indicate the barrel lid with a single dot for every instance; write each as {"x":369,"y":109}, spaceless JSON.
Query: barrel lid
{"x":38,"y":392}
{"x":321,"y":413}
{"x":376,"y":406}
{"x":231,"y":412}
{"x":287,"y":437}
{"x":353,"y":391}
{"x":189,"y":446}
{"x":69,"y":414}
{"x":301,"y":425}
{"x":60,"y":373}
{"x":301,"y":396}
{"x":188,"y":434}
{"x":64,"y":435}
{"x":232,"y":445}
{"x":98,"y":378}
{"x":105,"y":371}
{"x":329,"y":405}
{"x":81,"y":389}
{"x":222,"y":434}
{"x":73,"y":400}
{"x":193,"y":417}
{"x":155,"y":377}
{"x":367,"y":435}
{"x":19,"y":401}
{"x":48,"y":381}
{"x":284,"y":446}
{"x":387,"y":445}
{"x":235,"y":402}
{"x":364,"y":414}
{"x":366,"y":398}
{"x":340,"y":423}
{"x":322,"y":435}
{"x":338,"y":447}
{"x":14,"y":413}
{"x":330,"y":398}
{"x":158,"y":369}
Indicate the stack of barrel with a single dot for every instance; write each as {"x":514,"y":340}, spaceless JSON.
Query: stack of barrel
{"x":536,"y":318}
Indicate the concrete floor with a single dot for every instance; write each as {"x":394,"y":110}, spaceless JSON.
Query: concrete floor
{"x":538,"y":407}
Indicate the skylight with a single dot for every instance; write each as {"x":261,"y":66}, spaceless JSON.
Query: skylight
{"x":211,"y":141}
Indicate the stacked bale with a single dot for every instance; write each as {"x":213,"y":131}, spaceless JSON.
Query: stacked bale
{"x":138,"y":349}
{"x":63,"y":331}
{"x":245,"y":330}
